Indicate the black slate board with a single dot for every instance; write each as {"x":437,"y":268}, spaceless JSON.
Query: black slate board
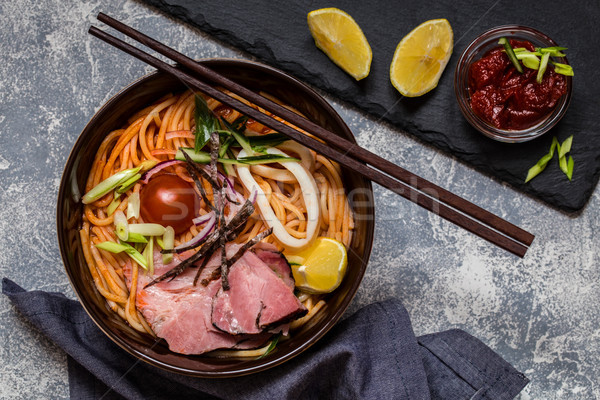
{"x":276,"y":32}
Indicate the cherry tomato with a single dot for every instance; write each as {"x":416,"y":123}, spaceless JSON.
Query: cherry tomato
{"x":170,"y":201}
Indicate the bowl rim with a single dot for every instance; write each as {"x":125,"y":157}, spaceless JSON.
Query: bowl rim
{"x":472,"y":51}
{"x":315,"y":336}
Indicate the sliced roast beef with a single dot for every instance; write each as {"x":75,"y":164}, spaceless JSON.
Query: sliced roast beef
{"x":258,"y":299}
{"x":180,"y":312}
{"x":278,"y":263}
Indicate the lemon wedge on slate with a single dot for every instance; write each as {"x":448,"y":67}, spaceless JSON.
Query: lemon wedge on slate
{"x":421,"y":57}
{"x":339,"y":36}
{"x":321,"y":267}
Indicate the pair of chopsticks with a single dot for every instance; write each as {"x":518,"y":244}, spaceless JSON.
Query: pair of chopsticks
{"x":408,"y":185}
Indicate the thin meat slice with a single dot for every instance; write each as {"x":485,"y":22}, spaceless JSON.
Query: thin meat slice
{"x":278,"y":263}
{"x":180,"y":312}
{"x":258,"y":299}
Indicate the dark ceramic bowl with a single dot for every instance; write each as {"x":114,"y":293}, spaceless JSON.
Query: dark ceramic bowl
{"x":113,"y":115}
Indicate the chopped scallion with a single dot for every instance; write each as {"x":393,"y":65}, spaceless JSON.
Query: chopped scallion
{"x":271,"y":347}
{"x":128,"y":184}
{"x":121,"y":225}
{"x":136,"y":238}
{"x":510,"y":53}
{"x":168,"y":242}
{"x":149,"y":255}
{"x":570,"y":165}
{"x":268,"y":140}
{"x":120,"y":247}
{"x":266,"y":159}
{"x":109,"y":184}
{"x":565,"y":165}
{"x":529,"y":60}
{"x":543,"y":66}
{"x":565,"y":147}
{"x":147,"y":229}
{"x":133,"y":206}
{"x":563,"y":69}
{"x":562,"y":163}
{"x":113,"y":204}
{"x":554,"y":51}
{"x":239,"y":137}
{"x":535,"y":171}
{"x":202,"y":157}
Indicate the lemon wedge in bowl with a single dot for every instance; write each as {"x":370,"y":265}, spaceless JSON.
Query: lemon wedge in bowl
{"x":321,"y":267}
{"x":421,"y":56}
{"x":339,"y":36}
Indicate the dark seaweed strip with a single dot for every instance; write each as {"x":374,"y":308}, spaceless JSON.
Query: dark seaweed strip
{"x":234,"y":225}
{"x":213,"y":238}
{"x":203,"y":265}
{"x":206,"y":176}
{"x":223,"y":271}
{"x":192,"y":173}
{"x":229,"y":199}
{"x":214,"y":156}
{"x":241,"y":217}
{"x":231,"y":232}
{"x":213,"y":277}
{"x":199,"y":170}
{"x":247,"y":245}
{"x":224,"y":266}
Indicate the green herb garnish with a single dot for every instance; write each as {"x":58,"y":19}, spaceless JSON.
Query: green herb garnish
{"x":265,"y":159}
{"x":271,"y":346}
{"x":565,"y":165}
{"x":148,"y":253}
{"x":531,"y":59}
{"x":563,"y":69}
{"x":114,"y":204}
{"x":554,"y":51}
{"x":128,"y":184}
{"x":269,"y":140}
{"x":115,"y":180}
{"x":206,"y":123}
{"x":570,"y":165}
{"x":204,"y":158}
{"x":136,"y":238}
{"x":109,"y":184}
{"x":120,"y":247}
{"x":225,"y":145}
{"x":239,"y":137}
{"x":543,"y":66}
{"x":511,"y":54}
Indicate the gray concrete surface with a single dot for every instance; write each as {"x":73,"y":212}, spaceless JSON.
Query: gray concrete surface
{"x":540,"y":313}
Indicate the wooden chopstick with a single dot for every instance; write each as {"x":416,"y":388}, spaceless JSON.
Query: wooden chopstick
{"x":397,"y":179}
{"x":346,"y":146}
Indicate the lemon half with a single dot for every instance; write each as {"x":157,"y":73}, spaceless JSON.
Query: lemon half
{"x":421,"y":57}
{"x":339,"y":36}
{"x":321,"y":267}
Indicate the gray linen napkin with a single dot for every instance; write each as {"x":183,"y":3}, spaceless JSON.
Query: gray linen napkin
{"x":370,"y":355}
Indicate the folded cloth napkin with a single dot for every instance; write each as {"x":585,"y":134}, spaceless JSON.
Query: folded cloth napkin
{"x":370,"y":355}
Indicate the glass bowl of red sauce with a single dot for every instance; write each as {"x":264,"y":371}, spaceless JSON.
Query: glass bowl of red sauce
{"x":501,"y":102}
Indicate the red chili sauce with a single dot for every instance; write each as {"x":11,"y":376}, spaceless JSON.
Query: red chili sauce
{"x":508,"y":99}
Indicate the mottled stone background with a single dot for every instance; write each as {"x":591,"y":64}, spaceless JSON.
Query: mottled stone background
{"x":540,"y":313}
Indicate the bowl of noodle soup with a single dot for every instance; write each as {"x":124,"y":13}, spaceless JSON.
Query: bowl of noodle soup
{"x":159,"y":105}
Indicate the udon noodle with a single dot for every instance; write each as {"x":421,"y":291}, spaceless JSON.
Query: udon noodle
{"x":156,"y":133}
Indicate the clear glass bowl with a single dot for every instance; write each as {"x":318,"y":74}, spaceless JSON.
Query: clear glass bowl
{"x":481,"y":45}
